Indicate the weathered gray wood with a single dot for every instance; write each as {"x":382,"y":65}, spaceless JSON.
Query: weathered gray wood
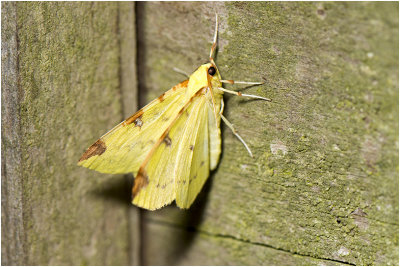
{"x":323,"y":186}
{"x":62,"y":87}
{"x":205,"y":249}
{"x":12,"y":238}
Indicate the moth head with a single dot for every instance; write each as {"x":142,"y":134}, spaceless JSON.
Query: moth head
{"x":207,"y":75}
{"x":213,"y":76}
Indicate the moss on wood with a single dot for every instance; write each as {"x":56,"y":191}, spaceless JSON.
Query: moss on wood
{"x":69,"y":82}
{"x":324,"y":181}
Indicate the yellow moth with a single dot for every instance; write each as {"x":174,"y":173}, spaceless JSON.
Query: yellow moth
{"x":172,"y":143}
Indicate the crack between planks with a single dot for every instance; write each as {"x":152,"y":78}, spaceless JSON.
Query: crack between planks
{"x":141,"y":101}
{"x":226,"y":236}
{"x":127,"y":37}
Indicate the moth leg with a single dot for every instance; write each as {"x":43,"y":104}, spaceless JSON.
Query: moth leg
{"x":230,"y":125}
{"x":241,"y":82}
{"x":181,"y":72}
{"x":222,"y":107}
{"x":240,"y":94}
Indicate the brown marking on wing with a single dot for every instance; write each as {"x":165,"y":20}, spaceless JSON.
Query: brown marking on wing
{"x":161,"y":97}
{"x":97,"y":148}
{"x":230,"y":81}
{"x":133,"y":118}
{"x":167,"y":140}
{"x":141,"y":181}
{"x":138,"y":122}
{"x":191,"y":147}
{"x":179,"y":85}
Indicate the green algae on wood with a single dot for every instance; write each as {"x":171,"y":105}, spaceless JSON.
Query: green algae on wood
{"x":324,"y":182}
{"x":69,"y":79}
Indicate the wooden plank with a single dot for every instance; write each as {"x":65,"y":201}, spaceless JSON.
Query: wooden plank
{"x":69,"y":80}
{"x":324,"y":181}
{"x":11,"y":171}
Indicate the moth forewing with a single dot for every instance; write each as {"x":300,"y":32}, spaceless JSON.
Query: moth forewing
{"x":162,"y":168}
{"x":193,"y":169}
{"x":124,"y":148}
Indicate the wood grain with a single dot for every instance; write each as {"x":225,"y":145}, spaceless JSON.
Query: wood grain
{"x":62,"y":91}
{"x":324,"y":181}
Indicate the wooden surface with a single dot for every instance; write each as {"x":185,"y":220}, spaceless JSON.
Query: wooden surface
{"x":12,"y":242}
{"x":62,"y":87}
{"x":322,"y":189}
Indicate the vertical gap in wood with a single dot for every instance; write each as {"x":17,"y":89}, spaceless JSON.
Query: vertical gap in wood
{"x":129,"y":101}
{"x":141,"y":52}
{"x":12,"y":221}
{"x":140,"y":72}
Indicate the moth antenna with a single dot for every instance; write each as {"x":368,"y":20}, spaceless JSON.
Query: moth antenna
{"x":214,"y":45}
{"x":181,"y":72}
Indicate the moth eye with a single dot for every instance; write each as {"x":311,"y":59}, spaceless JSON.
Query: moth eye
{"x":211,"y":71}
